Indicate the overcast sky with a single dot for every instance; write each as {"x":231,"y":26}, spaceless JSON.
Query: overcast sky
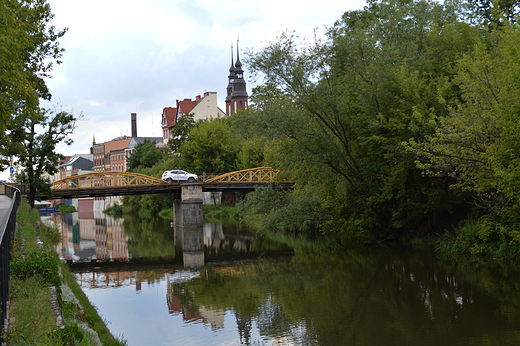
{"x":139,"y":56}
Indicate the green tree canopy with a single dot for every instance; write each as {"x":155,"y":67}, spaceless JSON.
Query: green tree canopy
{"x":180,"y":132}
{"x":339,"y":110}
{"x":37,"y":152}
{"x":144,"y":155}
{"x":211,"y":148}
{"x":28,"y":48}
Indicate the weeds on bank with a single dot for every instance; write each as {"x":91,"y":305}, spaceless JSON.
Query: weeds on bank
{"x":89,"y":313}
{"x":35,"y":267}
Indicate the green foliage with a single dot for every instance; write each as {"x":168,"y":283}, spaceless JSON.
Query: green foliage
{"x":211,"y":148}
{"x":41,"y":264}
{"x":115,"y":211}
{"x":252,"y":153}
{"x":336,"y":114}
{"x":68,"y":335}
{"x":145,"y":155}
{"x":50,"y":235}
{"x":66,"y":209}
{"x":494,"y":13}
{"x":279,"y":210}
{"x":475,"y":145}
{"x":32,"y":313}
{"x":489,"y":236}
{"x":147,"y":206}
{"x":36,"y":151}
{"x":29,"y":46}
{"x":181,"y":131}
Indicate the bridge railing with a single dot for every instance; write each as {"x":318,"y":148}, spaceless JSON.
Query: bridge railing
{"x":113,"y":179}
{"x":259,"y":174}
{"x":104,"y":179}
{"x":7,"y":229}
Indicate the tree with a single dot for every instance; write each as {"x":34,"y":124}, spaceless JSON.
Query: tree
{"x":37,"y":152}
{"x":28,"y":48}
{"x":211,"y":148}
{"x":181,"y":130}
{"x":339,"y":110}
{"x":494,"y":13}
{"x":477,"y":143}
{"x":144,"y":155}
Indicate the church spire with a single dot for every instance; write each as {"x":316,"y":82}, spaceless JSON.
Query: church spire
{"x":238,"y":64}
{"x":232,"y":68}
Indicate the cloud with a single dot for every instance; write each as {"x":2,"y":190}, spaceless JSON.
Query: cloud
{"x":141,"y":55}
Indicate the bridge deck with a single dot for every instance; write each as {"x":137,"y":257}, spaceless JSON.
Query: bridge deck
{"x":159,"y":188}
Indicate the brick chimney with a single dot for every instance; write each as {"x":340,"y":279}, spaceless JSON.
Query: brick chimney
{"x":134,"y":124}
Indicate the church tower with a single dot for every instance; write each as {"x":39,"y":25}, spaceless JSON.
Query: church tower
{"x":236,"y":90}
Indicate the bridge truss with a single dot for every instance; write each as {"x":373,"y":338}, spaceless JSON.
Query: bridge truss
{"x":256,"y":175}
{"x":104,"y":179}
{"x":99,"y":184}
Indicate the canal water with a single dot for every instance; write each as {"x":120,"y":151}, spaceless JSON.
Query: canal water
{"x":262,"y":290}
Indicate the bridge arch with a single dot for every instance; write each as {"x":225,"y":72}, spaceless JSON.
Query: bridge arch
{"x":259,"y":174}
{"x":100,"y":179}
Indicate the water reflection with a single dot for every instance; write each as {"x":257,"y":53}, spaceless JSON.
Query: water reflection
{"x":91,"y":236}
{"x":321,"y":297}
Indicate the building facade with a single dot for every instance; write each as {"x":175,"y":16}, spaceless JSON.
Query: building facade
{"x":202,"y":108}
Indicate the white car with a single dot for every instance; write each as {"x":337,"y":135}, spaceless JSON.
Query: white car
{"x":176,"y":176}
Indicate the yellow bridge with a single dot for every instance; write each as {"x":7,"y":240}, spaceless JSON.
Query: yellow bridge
{"x":96,"y":184}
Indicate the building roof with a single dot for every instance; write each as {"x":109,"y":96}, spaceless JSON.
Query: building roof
{"x":76,"y":157}
{"x":117,"y":144}
{"x":170,"y":114}
{"x":138,"y":140}
{"x":186,"y":105}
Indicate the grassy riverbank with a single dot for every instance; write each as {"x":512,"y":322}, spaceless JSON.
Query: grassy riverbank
{"x":47,"y":307}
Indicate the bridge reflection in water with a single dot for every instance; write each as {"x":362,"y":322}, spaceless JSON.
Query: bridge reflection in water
{"x":97,"y":247}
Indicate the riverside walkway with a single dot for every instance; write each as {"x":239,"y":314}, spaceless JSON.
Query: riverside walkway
{"x":5,"y":205}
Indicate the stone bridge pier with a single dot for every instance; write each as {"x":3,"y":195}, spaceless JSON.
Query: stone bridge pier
{"x":188,"y":225}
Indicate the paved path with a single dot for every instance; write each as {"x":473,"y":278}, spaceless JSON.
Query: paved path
{"x":5,"y":204}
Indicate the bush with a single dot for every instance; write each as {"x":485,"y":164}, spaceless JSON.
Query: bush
{"x":490,"y":235}
{"x":115,"y":211}
{"x":41,"y":264}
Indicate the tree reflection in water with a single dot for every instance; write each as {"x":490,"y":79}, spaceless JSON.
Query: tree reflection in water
{"x":320,"y":295}
{"x":379,"y":296}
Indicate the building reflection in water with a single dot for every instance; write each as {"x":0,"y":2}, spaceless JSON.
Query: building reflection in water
{"x":90,"y":235}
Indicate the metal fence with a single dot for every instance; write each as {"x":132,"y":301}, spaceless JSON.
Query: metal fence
{"x":7,"y":228}
{"x":10,"y":188}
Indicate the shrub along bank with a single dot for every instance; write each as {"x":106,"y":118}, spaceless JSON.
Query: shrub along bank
{"x":46,"y":305}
